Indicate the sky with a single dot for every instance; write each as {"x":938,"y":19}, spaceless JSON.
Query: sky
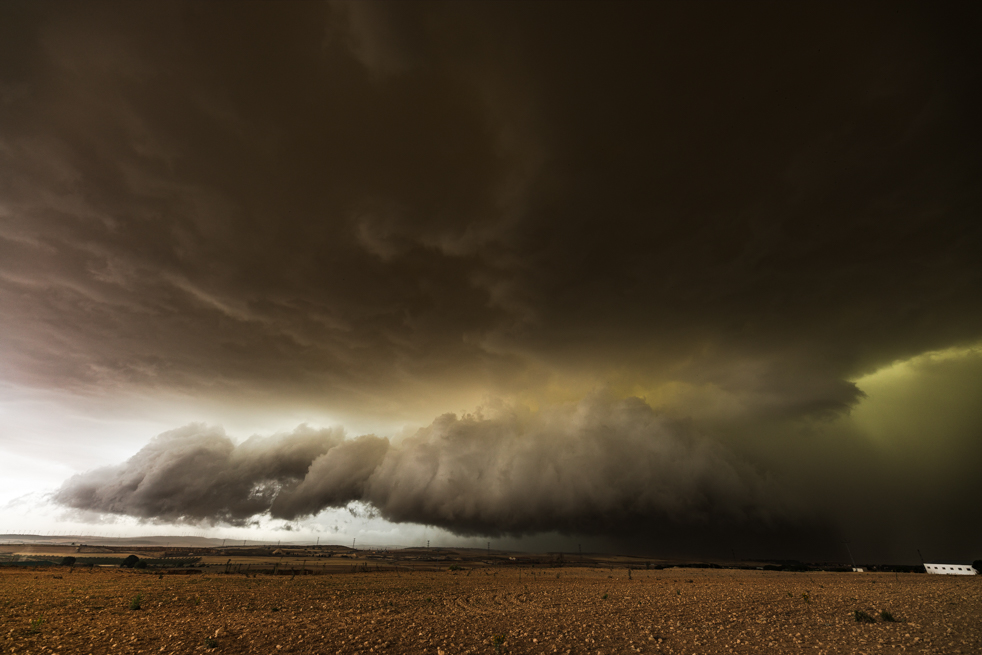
{"x":675,"y":279}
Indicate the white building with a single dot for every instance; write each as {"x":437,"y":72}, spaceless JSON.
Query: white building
{"x":950,"y":569}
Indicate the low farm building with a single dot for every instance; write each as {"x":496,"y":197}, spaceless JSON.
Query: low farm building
{"x":950,"y":569}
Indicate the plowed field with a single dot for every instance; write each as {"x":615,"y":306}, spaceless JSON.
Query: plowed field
{"x":564,"y":610}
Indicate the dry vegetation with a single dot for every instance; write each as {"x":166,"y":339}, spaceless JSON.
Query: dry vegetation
{"x":487,"y":610}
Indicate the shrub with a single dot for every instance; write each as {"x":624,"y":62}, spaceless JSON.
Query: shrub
{"x":135,"y":602}
{"x":68,"y":561}
{"x":210,"y":643}
{"x":35,"y":625}
{"x":130,"y":561}
{"x":887,"y":616}
{"x":863,"y":617}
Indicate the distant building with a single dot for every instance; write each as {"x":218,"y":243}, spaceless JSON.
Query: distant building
{"x":858,"y":569}
{"x":950,"y":569}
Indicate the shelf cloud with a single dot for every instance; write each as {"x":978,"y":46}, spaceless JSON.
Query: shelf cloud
{"x":600,"y":466}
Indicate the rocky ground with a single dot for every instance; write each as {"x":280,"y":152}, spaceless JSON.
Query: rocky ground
{"x":564,"y":610}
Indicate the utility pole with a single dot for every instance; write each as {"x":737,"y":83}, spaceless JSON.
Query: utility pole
{"x":849,"y":550}
{"x":353,"y":544}
{"x":427,"y":543}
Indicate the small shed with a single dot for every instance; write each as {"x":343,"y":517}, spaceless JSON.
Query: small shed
{"x":950,"y":569}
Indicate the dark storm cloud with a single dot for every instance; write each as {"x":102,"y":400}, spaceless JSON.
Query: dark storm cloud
{"x":600,"y":466}
{"x":378,"y":209}
{"x":196,"y":473}
{"x":352,"y":198}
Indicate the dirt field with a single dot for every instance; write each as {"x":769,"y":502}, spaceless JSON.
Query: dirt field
{"x":564,"y":610}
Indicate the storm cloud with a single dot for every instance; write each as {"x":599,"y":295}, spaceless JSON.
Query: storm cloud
{"x":371,"y":214}
{"x":196,"y":473}
{"x":371,"y":200}
{"x":600,"y":466}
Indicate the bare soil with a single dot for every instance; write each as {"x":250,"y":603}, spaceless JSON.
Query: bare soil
{"x":488,"y":610}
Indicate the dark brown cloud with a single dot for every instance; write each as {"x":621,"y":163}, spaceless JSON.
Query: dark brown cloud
{"x":382,"y":209}
{"x":198,"y":196}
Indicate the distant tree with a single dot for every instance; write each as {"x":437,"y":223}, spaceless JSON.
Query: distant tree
{"x":142,"y":564}
{"x":68,"y":561}
{"x":977,"y":565}
{"x":130,"y":561}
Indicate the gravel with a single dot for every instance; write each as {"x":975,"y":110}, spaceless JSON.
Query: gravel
{"x":548,"y":610}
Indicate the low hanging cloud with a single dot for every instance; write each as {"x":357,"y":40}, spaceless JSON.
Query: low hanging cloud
{"x":196,"y":473}
{"x":602,"y":465}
